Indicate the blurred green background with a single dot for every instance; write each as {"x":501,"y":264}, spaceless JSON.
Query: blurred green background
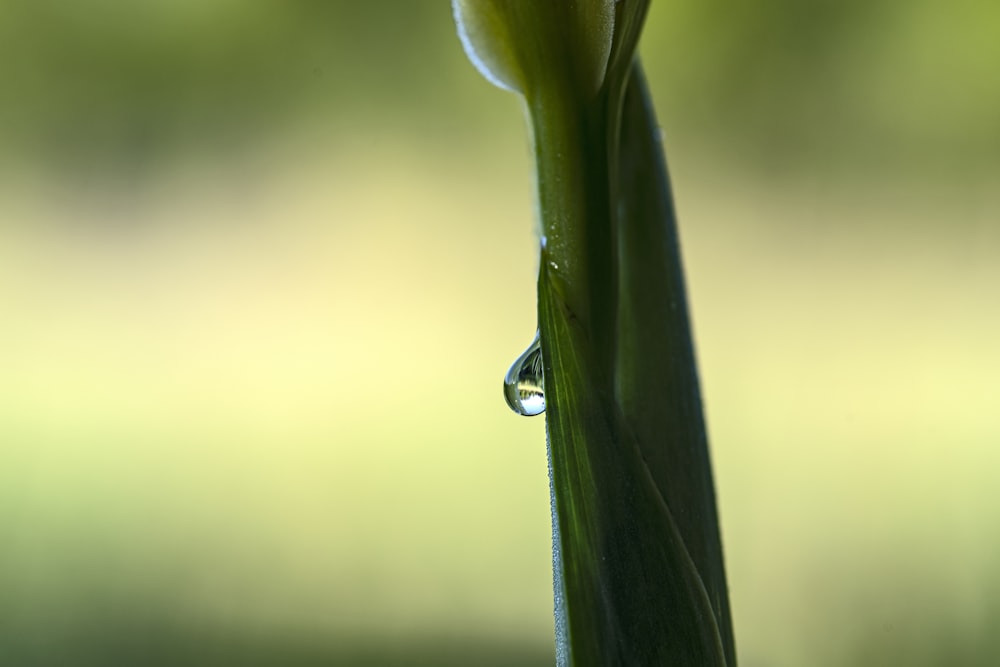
{"x":264,"y":264}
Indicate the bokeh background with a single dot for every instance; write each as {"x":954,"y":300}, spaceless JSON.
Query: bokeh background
{"x":263,"y":266}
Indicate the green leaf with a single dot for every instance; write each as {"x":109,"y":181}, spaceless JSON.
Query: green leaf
{"x":632,"y":594}
{"x":639,"y":574}
{"x":656,"y":379}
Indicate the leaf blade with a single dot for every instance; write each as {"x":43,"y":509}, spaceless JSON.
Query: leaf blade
{"x":633,"y":594}
{"x":656,"y":378}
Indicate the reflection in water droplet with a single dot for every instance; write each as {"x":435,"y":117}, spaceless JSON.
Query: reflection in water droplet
{"x":524,"y":385}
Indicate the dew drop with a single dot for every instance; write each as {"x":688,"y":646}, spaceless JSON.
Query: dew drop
{"x":524,"y":385}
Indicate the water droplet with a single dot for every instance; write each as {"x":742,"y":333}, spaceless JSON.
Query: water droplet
{"x":524,"y":385}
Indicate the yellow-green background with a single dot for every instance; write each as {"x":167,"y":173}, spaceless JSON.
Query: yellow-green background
{"x":263,"y":266}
